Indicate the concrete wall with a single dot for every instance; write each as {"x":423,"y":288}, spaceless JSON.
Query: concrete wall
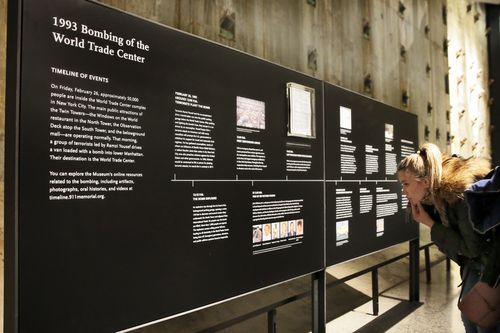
{"x":381,"y":48}
{"x":469,"y":89}
{"x":493,"y":24}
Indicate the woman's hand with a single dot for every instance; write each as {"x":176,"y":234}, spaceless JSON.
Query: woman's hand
{"x":420,"y":215}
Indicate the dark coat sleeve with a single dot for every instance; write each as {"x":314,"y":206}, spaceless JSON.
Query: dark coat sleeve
{"x":491,"y":259}
{"x":457,"y":239}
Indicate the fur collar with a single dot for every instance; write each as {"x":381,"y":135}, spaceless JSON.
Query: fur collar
{"x":458,"y":175}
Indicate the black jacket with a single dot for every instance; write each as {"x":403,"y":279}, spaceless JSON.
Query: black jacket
{"x":459,"y":241}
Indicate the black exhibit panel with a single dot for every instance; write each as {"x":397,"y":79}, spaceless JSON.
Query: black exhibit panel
{"x":364,"y":141}
{"x":157,"y":173}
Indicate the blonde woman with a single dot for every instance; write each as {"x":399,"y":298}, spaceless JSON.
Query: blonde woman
{"x":434,"y":185}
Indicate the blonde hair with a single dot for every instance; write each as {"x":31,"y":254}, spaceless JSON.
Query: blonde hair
{"x":426,"y":163}
{"x":448,"y":177}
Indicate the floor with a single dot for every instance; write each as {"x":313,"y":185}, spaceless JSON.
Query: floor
{"x":437,"y":312}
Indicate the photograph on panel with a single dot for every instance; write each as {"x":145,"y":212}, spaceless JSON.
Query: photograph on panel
{"x":250,"y":113}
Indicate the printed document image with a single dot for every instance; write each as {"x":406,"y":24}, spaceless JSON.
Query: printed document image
{"x":380,"y":227}
{"x":389,"y":131}
{"x":342,"y":230}
{"x":345,"y":118}
{"x":301,"y":117}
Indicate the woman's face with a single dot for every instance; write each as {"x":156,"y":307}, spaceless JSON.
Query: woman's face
{"x":414,"y":188}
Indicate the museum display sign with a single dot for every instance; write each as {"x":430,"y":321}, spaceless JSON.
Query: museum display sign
{"x":150,"y":172}
{"x":156,"y":171}
{"x":365,"y":207}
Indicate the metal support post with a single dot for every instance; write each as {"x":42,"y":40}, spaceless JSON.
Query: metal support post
{"x":318,"y":302}
{"x":271,"y":321}
{"x":427,"y":264}
{"x":414,"y":270}
{"x":375,"y":291}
